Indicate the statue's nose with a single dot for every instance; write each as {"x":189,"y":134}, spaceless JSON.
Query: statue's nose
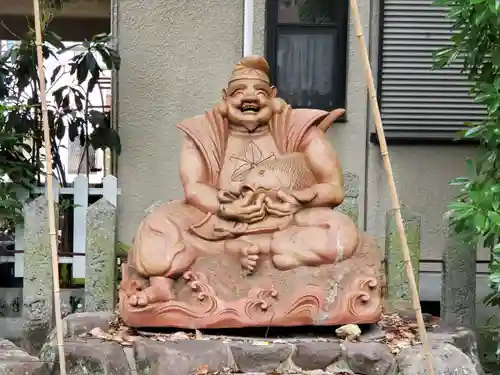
{"x":251,"y":96}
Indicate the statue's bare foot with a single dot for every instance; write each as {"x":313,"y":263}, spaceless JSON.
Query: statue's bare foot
{"x":160,"y":290}
{"x":249,"y":258}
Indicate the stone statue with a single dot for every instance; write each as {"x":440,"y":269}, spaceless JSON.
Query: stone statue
{"x":256,"y":240}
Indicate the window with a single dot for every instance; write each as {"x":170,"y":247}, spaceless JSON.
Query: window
{"x":306,"y":49}
{"x":417,"y":103}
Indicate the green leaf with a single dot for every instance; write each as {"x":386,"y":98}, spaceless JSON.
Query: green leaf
{"x":474,"y":132}
{"x":60,"y":128}
{"x":494,"y":217}
{"x":55,"y":73}
{"x":480,"y":221}
{"x":54,"y":39}
{"x":117,"y":61}
{"x":101,"y":38}
{"x":73,"y":128}
{"x":91,"y":63}
{"x":102,"y":138}
{"x":97,"y":118}
{"x":82,"y":71}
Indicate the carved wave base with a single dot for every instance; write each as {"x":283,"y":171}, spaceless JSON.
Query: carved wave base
{"x":217,"y":294}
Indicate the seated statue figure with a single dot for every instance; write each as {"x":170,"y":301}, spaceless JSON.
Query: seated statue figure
{"x":256,"y":240}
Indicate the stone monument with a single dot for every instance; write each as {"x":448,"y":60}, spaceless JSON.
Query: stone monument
{"x":256,"y":241}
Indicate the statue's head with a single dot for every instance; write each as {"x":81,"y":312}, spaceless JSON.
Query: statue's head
{"x":249,"y":99}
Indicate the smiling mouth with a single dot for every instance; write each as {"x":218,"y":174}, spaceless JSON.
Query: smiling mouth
{"x":250,"y":108}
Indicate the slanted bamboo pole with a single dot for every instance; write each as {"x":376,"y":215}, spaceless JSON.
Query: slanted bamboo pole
{"x":392,"y":185}
{"x":50,"y":189}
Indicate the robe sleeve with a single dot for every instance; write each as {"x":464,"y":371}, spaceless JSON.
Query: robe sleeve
{"x":295,"y":124}
{"x":209,"y":134}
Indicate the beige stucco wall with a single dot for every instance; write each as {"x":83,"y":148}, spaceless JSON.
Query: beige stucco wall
{"x":176,"y":58}
{"x":177,"y":55}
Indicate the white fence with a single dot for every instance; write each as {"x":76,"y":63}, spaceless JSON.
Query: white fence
{"x":80,"y":191}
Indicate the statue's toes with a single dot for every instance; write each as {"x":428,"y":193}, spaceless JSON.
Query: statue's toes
{"x":251,"y":250}
{"x":132,"y":300}
{"x":139,"y":299}
{"x":142,"y":299}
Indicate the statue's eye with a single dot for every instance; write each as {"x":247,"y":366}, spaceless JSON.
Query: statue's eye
{"x":261,"y":172}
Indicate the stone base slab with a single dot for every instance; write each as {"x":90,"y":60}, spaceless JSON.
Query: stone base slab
{"x":454,"y":351}
{"x":15,"y":361}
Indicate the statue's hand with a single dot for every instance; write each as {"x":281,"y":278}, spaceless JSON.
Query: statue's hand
{"x":285,"y":204}
{"x":225,"y":196}
{"x":249,"y":208}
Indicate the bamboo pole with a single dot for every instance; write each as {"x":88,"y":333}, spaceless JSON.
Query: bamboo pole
{"x":392,"y":186}
{"x":50,"y":196}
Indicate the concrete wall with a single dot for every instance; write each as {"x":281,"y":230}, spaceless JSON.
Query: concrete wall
{"x":177,"y":56}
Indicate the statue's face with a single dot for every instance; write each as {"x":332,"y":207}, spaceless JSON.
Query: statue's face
{"x":249,"y":103}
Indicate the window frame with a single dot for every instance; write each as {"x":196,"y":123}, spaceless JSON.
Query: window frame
{"x":399,"y":137}
{"x":273,"y":27}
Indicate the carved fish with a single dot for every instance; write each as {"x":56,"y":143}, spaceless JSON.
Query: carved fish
{"x":289,"y":172}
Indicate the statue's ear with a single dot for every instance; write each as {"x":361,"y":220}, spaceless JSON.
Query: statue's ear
{"x":224,"y":94}
{"x":274,"y":91}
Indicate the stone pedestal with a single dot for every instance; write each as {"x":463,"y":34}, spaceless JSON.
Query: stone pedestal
{"x":100,"y":259}
{"x":38,"y":291}
{"x":453,"y":352}
{"x":216,"y":293}
{"x":458,"y":288}
{"x":398,"y":293}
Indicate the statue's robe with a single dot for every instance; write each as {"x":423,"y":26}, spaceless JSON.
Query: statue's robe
{"x":169,"y":239}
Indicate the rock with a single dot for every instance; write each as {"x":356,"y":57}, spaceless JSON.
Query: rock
{"x":369,"y":358}
{"x":89,"y":356}
{"x":181,"y":357}
{"x":464,"y":339}
{"x":259,"y":358}
{"x":315,"y":355}
{"x":448,"y":359}
{"x":350,"y":332}
{"x":15,"y":361}
{"x":76,"y":324}
{"x":373,"y":333}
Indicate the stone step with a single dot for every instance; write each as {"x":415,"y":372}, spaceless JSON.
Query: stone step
{"x":15,"y":361}
{"x":454,"y":351}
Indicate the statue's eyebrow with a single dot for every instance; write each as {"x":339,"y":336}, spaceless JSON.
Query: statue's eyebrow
{"x":262,"y":86}
{"x":236,"y":87}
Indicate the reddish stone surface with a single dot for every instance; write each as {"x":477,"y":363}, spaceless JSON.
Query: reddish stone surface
{"x":217,"y":293}
{"x":255,"y":241}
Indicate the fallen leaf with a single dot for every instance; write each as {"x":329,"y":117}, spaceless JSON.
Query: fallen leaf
{"x":202,"y":370}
